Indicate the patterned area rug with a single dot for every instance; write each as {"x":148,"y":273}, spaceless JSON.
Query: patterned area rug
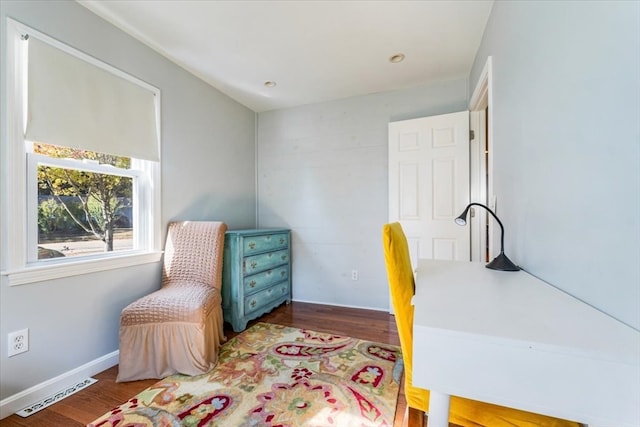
{"x":277,"y":376}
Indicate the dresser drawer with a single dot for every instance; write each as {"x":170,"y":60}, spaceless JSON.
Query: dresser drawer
{"x":261,"y":262}
{"x":265,"y":279}
{"x":266,"y":242}
{"x":262,"y":298}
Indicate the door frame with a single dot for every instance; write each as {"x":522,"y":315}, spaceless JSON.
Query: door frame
{"x":481,"y":173}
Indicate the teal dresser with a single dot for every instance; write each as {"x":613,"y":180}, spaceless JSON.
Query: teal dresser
{"x":256,"y":274}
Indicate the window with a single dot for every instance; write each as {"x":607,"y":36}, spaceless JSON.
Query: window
{"x":84,"y":203}
{"x":81,"y":160}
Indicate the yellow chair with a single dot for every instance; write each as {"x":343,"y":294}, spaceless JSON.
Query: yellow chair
{"x":463,"y":412}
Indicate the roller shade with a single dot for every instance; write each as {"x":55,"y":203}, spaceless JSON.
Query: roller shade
{"x":74,"y":103}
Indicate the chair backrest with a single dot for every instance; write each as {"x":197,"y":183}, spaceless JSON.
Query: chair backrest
{"x":402,"y":287}
{"x":193,"y":254}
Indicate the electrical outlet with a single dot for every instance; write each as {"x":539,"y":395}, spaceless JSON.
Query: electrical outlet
{"x":354,"y":274}
{"x":18,"y":342}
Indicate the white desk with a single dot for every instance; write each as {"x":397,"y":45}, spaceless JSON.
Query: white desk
{"x":510,"y":339}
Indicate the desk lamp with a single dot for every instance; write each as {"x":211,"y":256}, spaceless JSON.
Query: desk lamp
{"x":501,"y":262}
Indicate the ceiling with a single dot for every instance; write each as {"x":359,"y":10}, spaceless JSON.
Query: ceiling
{"x":314,"y":51}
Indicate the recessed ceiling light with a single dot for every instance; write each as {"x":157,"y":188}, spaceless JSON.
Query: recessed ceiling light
{"x":398,"y":57}
{"x":269,"y":83}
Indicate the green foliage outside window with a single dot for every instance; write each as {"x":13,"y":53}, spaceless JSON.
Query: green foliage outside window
{"x":82,"y":201}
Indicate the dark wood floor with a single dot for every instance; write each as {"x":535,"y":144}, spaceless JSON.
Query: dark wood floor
{"x":92,"y":402}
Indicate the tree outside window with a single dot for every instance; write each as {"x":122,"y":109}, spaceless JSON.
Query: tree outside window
{"x":82,"y":212}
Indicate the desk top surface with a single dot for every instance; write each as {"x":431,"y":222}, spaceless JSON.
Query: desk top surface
{"x":516,"y":308}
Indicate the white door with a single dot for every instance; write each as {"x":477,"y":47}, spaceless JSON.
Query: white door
{"x":429,"y":184}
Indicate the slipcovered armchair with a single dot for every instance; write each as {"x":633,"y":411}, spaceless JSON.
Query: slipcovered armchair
{"x":463,"y":412}
{"x":179,"y":328}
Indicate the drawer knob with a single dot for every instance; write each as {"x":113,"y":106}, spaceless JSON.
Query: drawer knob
{"x":283,"y":273}
{"x":252,"y":245}
{"x":254,"y":264}
{"x":252,"y":283}
{"x":253,"y":303}
{"x":282,"y":240}
{"x":284,"y":257}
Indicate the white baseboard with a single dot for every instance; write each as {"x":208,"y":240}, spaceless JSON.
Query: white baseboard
{"x":40,"y":391}
{"x":342,"y":305}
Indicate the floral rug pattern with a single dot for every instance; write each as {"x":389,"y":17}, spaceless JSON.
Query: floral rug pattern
{"x":276,"y":376}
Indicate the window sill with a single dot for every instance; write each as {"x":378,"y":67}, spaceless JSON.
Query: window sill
{"x":42,"y":273}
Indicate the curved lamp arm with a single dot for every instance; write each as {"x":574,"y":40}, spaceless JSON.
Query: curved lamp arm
{"x":501,"y":262}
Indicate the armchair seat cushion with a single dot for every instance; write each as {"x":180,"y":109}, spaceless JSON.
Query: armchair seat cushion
{"x":174,"y":304}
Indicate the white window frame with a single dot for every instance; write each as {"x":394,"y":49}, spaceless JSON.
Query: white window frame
{"x":18,"y":223}
{"x":139,"y":183}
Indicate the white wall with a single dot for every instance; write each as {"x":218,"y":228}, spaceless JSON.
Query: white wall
{"x":208,"y":172}
{"x":322,"y":171}
{"x":567,"y":144}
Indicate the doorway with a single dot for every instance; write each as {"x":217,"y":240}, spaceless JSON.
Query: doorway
{"x":480,"y":179}
{"x":481,"y":166}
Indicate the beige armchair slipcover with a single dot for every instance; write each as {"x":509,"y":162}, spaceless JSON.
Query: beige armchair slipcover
{"x":179,"y":328}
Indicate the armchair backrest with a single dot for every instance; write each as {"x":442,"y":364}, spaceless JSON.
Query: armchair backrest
{"x":193,"y":253}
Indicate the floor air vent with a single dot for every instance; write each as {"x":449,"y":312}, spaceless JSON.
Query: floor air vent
{"x":48,"y":401}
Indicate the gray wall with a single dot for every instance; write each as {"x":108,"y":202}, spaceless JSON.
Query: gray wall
{"x":567,"y":172}
{"x":322,"y":171}
{"x":208,"y":172}
{"x":567,"y":144}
